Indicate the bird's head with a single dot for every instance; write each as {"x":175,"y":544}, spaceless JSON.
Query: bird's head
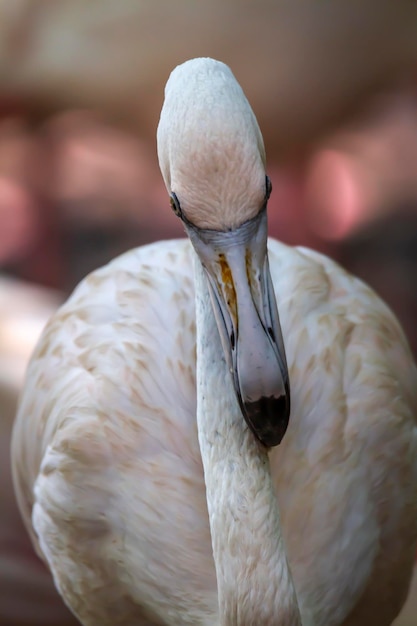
{"x":212,"y":159}
{"x":208,"y":141}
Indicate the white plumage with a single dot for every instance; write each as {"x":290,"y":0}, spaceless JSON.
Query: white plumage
{"x":108,"y":456}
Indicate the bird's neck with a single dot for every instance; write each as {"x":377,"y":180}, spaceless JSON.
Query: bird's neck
{"x":253,"y":578}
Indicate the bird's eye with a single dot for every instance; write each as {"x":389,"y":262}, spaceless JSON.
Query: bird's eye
{"x":268,"y":186}
{"x":175,"y":205}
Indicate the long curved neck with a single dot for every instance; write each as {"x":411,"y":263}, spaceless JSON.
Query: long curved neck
{"x":253,"y":578}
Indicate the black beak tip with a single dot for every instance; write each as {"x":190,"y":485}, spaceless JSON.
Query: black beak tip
{"x":268,"y":419}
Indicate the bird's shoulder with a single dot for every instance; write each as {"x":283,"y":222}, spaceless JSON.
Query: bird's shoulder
{"x":349,"y":360}
{"x":113,"y":369}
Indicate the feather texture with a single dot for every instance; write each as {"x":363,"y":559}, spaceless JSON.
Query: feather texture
{"x":108,"y":468}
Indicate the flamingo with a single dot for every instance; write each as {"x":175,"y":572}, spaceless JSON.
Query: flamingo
{"x":145,"y":454}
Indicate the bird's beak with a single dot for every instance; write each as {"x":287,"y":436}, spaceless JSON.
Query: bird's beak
{"x":243,"y":300}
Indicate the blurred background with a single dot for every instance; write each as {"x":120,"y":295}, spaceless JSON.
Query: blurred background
{"x":334,"y":88}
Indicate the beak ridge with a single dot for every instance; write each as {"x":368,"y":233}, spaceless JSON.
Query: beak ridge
{"x":244,"y":304}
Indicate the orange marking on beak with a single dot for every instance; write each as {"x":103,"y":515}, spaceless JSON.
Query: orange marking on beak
{"x":228,"y":286}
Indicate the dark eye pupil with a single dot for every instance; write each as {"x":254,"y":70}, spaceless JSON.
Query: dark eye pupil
{"x":268,"y":186}
{"x":175,"y":205}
